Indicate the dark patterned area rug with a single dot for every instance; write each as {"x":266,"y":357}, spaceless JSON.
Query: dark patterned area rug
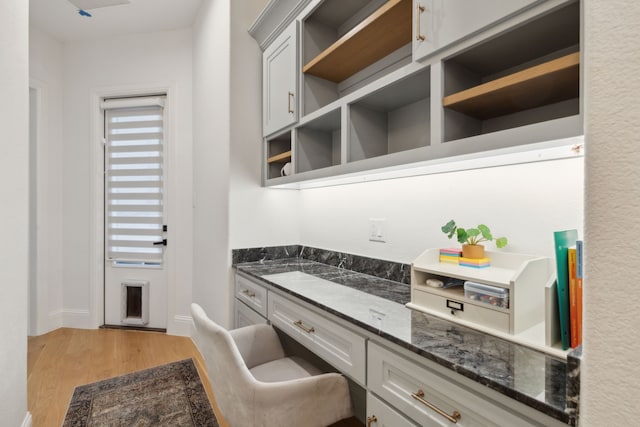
{"x":167,"y":395}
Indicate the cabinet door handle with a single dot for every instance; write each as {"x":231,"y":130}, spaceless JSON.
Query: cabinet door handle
{"x":419,"y":11}
{"x":307,"y":329}
{"x":248,"y":293}
{"x":290,"y":97}
{"x":371,"y":419}
{"x":419,"y":396}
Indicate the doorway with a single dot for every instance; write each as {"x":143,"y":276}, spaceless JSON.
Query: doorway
{"x":135,"y":219}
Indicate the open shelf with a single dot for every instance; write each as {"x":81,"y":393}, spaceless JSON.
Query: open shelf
{"x":280,"y":158}
{"x":384,"y":31}
{"x":278,"y":152}
{"x":559,"y":79}
{"x":319,"y":143}
{"x":393,"y":119}
{"x":527,"y":75}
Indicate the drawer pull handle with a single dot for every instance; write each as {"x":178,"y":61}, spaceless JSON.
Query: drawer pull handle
{"x":371,"y":419}
{"x":419,"y":396}
{"x":300,"y":325}
{"x":248,"y":293}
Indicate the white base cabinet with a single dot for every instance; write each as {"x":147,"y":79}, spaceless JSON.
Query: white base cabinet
{"x":244,"y":316}
{"x":379,"y":414}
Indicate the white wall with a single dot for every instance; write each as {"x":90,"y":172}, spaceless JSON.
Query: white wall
{"x":46,"y":77}
{"x":121,"y":64}
{"x":14,"y":215}
{"x":211,"y":54}
{"x":525,"y":203}
{"x":611,"y":374}
{"x":258,"y":216}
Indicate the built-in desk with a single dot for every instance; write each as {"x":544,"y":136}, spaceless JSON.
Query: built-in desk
{"x":529,"y":383}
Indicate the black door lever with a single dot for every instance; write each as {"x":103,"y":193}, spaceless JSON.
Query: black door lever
{"x":162,"y":242}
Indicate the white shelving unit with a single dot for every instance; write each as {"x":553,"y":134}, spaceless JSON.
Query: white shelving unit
{"x":530,"y":319}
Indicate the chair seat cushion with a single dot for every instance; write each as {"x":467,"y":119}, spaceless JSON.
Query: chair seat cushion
{"x":287,"y":368}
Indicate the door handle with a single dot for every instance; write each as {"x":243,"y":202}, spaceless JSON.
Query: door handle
{"x":162,"y":242}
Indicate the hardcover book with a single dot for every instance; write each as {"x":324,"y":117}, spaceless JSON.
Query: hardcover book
{"x":563,"y":240}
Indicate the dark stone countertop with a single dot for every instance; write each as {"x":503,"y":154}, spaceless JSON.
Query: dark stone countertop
{"x":519,"y":372}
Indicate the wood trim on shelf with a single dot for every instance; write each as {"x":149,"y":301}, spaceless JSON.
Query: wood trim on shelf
{"x":384,"y":31}
{"x":280,"y":158}
{"x":543,"y":84}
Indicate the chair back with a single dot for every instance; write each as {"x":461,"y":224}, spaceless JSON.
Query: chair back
{"x":230,"y":379}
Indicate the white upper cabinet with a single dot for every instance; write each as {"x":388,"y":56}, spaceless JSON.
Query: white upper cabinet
{"x":279,"y":85}
{"x":438,"y":23}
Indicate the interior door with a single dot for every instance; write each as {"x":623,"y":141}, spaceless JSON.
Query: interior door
{"x":135,"y":282}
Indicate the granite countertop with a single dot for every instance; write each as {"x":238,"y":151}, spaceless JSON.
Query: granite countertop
{"x":377,"y":305}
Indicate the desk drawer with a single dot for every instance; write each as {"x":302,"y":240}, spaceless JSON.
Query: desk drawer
{"x":252,"y":294}
{"x":429,"y":398}
{"x":337,"y":345}
{"x":479,"y":315}
{"x":244,"y":316}
{"x":379,"y":414}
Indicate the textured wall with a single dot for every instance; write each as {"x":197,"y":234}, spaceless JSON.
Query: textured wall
{"x":610,"y":388}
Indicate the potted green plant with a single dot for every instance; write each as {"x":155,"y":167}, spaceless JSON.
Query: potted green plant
{"x":471,"y":238}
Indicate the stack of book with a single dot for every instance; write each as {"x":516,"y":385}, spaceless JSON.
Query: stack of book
{"x":450,"y":256}
{"x":570,"y":269}
{"x":475,"y":263}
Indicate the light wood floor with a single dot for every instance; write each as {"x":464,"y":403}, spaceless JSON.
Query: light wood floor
{"x":65,"y":358}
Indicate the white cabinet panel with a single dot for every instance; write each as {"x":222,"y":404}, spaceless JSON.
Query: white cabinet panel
{"x":279,"y":85}
{"x":340,"y":347}
{"x":429,"y":398}
{"x":379,"y":414}
{"x":244,"y":316}
{"x":252,"y":294}
{"x":438,"y":23}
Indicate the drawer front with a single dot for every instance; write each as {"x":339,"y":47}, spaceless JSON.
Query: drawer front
{"x":337,"y":345}
{"x":245,"y":316}
{"x":484,"y":316}
{"x":379,"y":414}
{"x":252,"y":294}
{"x":428,"y":397}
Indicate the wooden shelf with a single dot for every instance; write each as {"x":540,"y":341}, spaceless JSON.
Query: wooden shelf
{"x":280,"y":158}
{"x":543,"y":84}
{"x":384,"y":31}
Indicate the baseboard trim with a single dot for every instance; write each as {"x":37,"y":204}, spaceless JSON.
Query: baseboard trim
{"x":27,"y":420}
{"x":180,"y":326}
{"x":76,"y":319}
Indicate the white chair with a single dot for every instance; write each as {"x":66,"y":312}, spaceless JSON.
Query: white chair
{"x":256,"y":385}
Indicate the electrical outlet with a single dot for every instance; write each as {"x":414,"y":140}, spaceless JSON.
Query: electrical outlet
{"x":376,"y":229}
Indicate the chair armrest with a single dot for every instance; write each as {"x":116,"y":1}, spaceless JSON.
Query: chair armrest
{"x":257,"y":344}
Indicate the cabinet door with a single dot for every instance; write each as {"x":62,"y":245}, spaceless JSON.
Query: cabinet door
{"x":438,"y":23}
{"x":279,"y":82}
{"x":244,"y":316}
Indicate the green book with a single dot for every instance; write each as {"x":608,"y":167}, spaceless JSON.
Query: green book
{"x":563,"y":240}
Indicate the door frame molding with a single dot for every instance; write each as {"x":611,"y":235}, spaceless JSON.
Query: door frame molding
{"x":96,"y":223}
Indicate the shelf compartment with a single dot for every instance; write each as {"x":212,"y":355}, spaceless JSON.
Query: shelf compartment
{"x":383,"y":32}
{"x":527,"y":75}
{"x":557,"y":80}
{"x":280,"y":158}
{"x":319,"y":143}
{"x":278,"y":152}
{"x":392,"y":119}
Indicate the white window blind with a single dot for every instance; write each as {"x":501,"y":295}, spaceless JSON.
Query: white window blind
{"x":134,"y":181}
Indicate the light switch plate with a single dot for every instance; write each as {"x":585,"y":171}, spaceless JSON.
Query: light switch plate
{"x":376,"y":229}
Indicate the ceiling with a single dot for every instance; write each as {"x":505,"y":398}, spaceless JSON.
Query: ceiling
{"x":60,"y":18}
